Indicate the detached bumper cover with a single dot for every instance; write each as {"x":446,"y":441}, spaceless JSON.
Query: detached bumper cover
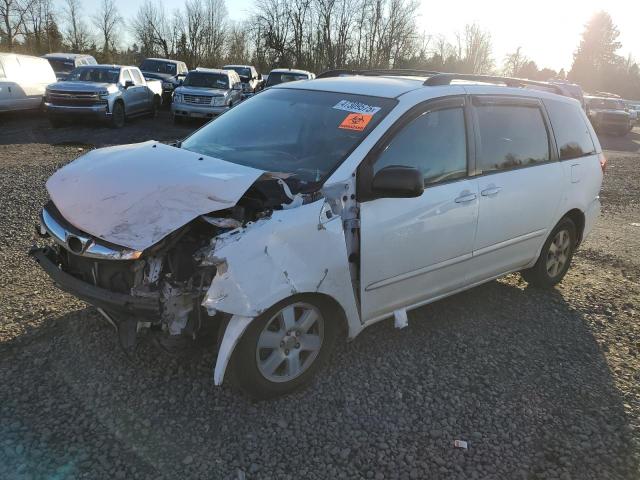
{"x":96,"y":296}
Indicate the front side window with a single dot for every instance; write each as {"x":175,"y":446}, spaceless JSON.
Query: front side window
{"x":435,"y":143}
{"x":510,"y":137}
{"x":570,"y":129}
{"x":206,"y":80}
{"x":303,"y":133}
{"x":126,"y":77}
{"x":93,"y":74}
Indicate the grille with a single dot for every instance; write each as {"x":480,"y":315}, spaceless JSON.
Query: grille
{"x":197,"y":99}
{"x":74,"y":98}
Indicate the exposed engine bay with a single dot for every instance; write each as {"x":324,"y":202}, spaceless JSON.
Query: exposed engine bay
{"x":176,"y":272}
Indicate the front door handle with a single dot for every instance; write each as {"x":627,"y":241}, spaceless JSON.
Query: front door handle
{"x":488,"y":192}
{"x":466,"y":198}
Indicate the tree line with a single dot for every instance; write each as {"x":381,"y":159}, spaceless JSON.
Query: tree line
{"x":315,"y":35}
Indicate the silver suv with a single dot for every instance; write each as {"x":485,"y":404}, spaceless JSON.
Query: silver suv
{"x":206,"y":93}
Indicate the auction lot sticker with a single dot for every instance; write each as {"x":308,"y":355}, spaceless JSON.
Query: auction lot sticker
{"x":356,"y":121}
{"x":356,"y":107}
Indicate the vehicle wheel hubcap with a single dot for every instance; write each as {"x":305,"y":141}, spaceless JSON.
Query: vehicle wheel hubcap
{"x":290,"y":342}
{"x":558,"y":253}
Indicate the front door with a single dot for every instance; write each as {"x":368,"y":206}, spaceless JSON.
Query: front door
{"x":415,"y":249}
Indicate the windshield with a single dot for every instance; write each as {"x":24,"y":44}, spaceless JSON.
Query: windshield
{"x":92,"y":74}
{"x":61,"y":66}
{"x":242,"y":71}
{"x":300,"y":132}
{"x":158,"y":66}
{"x":282,"y":77}
{"x":606,"y":103}
{"x":206,"y":80}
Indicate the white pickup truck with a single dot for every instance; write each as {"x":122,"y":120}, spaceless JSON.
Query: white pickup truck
{"x":106,"y":92}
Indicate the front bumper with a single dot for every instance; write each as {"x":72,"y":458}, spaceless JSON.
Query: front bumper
{"x":196,"y":111}
{"x":94,"y":111}
{"x":99,"y":297}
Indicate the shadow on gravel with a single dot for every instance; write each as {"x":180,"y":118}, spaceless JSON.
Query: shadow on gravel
{"x":629,"y":143}
{"x":514,"y":371}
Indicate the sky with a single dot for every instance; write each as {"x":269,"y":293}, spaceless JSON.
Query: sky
{"x":548,"y":31}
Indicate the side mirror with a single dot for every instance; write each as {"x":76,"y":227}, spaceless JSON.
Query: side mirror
{"x":398,"y":181}
{"x":128,"y":83}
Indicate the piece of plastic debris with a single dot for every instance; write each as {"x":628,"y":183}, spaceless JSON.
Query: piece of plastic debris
{"x":635,"y":224}
{"x":400,"y":318}
{"x":460,"y":444}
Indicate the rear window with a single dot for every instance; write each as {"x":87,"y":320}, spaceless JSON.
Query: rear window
{"x":511,"y":137}
{"x":61,"y":66}
{"x":276,"y":78}
{"x":158,"y":66}
{"x":570,"y":129}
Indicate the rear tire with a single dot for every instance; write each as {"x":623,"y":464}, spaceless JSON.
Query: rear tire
{"x":117,"y":116}
{"x":555,"y":256}
{"x":155,"y":106}
{"x":283,"y":348}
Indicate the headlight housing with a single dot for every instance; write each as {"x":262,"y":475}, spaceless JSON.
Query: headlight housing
{"x":218,"y":101}
{"x":103,"y":95}
{"x":167,"y":85}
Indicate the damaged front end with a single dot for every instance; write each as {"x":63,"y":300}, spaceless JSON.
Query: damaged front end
{"x":165,"y":289}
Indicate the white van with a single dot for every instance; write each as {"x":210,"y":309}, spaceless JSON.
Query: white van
{"x":23,"y":80}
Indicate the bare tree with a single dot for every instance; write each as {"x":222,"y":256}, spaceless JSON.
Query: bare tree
{"x":107,"y":20}
{"x":215,"y":30}
{"x":152,"y":30}
{"x":13,"y":16}
{"x":475,"y":49}
{"x":77,"y":33}
{"x":514,"y":63}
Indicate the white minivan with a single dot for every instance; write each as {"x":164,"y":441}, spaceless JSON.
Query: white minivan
{"x":356,"y":198}
{"x":23,"y":80}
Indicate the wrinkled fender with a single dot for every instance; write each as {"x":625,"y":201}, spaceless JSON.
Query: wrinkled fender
{"x":294,"y":251}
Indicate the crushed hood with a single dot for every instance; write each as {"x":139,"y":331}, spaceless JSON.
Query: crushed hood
{"x":135,"y":195}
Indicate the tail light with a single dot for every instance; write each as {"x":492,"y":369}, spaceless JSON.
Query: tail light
{"x":603,"y":162}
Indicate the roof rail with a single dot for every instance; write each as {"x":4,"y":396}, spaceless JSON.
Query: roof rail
{"x":447,"y":78}
{"x":378,"y":72}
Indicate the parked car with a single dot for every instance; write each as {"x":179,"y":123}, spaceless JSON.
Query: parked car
{"x":170,"y":72}
{"x":105,"y":92}
{"x":251,"y":80}
{"x":64,"y":63}
{"x":23,"y":80}
{"x":608,"y":115}
{"x":205,"y":93}
{"x":571,"y":90}
{"x":634,"y":111}
{"x":283,"y":75}
{"x":354,"y":199}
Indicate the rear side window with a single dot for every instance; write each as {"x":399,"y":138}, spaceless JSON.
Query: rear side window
{"x":511,"y":136}
{"x":571,"y":131}
{"x":435,"y":143}
{"x":137,"y":78}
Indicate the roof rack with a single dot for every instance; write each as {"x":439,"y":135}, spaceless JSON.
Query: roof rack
{"x":447,"y":78}
{"x":378,"y":72}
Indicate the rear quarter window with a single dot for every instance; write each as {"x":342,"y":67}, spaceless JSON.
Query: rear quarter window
{"x":570,"y":129}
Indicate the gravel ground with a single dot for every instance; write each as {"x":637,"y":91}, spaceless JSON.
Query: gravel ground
{"x":540,"y":384}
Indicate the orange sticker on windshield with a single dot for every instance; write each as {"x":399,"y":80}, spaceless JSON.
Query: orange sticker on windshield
{"x":356,"y":121}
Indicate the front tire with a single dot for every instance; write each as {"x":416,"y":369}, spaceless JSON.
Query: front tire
{"x":555,"y":257}
{"x":117,"y":116}
{"x":283,"y":348}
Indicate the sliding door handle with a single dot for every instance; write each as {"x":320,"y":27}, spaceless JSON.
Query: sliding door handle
{"x":488,"y":192}
{"x":466,"y":198}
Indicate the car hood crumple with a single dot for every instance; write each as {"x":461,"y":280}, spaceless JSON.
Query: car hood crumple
{"x":135,"y":195}
{"x":73,"y":86}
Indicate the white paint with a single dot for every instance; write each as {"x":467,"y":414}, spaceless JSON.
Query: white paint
{"x":135,"y":195}
{"x":356,"y":107}
{"x":274,"y":258}
{"x":236,"y":327}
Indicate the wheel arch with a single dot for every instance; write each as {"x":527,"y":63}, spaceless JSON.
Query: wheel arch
{"x":578,"y":218}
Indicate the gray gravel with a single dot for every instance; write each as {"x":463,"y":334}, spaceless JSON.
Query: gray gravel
{"x":540,"y":384}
